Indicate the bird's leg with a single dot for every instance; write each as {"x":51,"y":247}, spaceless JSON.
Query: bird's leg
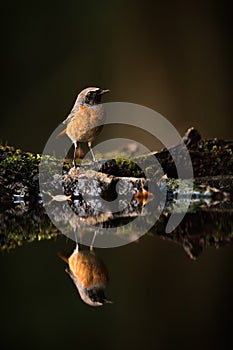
{"x":74,"y":157}
{"x":92,"y":153}
{"x":93,"y":240}
{"x":93,"y":156}
{"x":76,"y":241}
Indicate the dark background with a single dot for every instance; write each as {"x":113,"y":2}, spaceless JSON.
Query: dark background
{"x":175,"y":57}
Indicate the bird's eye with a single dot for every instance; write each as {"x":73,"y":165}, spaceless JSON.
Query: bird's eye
{"x":92,"y":93}
{"x":96,"y":91}
{"x":93,"y":97}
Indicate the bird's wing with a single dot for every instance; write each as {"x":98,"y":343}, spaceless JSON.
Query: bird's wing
{"x":71,"y":115}
{"x":68,"y":119}
{"x":63,"y":132}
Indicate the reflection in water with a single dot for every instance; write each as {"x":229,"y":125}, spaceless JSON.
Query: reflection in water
{"x":89,"y":274}
{"x":205,"y":225}
{"x":121,"y":219}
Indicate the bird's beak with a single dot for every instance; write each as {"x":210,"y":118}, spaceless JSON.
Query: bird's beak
{"x":108,"y":301}
{"x":104,"y":91}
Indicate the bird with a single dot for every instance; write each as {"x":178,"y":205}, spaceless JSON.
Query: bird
{"x":85,"y":120}
{"x":89,"y":274}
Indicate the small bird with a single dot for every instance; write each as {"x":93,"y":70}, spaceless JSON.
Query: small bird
{"x":86,"y":119}
{"x":89,"y":274}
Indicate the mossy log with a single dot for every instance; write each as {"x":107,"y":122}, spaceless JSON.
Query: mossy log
{"x":19,"y":170}
{"x":22,"y":216}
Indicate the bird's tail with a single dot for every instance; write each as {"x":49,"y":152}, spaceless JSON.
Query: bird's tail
{"x":63,"y":257}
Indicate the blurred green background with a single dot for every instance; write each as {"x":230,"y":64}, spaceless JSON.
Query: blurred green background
{"x":175,"y":57}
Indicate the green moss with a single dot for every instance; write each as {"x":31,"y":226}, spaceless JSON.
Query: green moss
{"x":24,"y":164}
{"x":25,"y":225}
{"x":14,"y":240}
{"x":128,"y":167}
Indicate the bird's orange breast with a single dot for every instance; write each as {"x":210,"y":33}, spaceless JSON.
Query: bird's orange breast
{"x":86,"y":124}
{"x":88,"y":269}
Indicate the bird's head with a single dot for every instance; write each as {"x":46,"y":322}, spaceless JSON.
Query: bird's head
{"x":91,"y":96}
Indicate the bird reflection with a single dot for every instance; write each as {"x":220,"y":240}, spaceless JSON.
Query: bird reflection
{"x":143,"y":197}
{"x":89,"y":274}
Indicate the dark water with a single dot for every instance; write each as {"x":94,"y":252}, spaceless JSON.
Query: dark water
{"x":162,"y":299}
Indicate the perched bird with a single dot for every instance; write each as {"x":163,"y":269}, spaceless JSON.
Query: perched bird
{"x":86,"y":118}
{"x":89,"y":275}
